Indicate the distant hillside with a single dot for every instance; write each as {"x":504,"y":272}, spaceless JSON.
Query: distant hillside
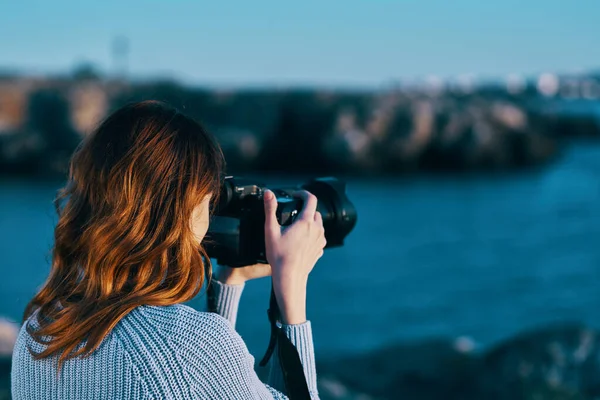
{"x":297,"y":131}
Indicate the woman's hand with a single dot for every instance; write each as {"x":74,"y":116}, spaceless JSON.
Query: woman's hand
{"x":239,"y":276}
{"x":292,"y":253}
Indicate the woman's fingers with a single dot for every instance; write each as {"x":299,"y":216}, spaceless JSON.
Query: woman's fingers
{"x":318,"y":218}
{"x":272,"y":227}
{"x":323,"y":242}
{"x":309,"y":207}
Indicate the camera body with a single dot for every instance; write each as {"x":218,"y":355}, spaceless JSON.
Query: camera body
{"x":236,"y":235}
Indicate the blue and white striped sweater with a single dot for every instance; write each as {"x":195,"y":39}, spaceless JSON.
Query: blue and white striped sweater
{"x":172,"y":352}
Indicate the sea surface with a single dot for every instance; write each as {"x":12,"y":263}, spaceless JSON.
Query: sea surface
{"x":482,"y":256}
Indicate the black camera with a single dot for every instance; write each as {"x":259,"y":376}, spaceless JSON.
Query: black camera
{"x":236,"y":235}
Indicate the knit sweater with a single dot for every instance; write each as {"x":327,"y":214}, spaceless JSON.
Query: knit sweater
{"x":162,"y":352}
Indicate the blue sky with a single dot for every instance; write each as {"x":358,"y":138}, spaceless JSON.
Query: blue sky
{"x":340,"y":43}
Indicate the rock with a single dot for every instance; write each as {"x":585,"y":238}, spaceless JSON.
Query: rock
{"x":554,"y":362}
{"x":332,"y":389}
{"x":308,"y":131}
{"x":549,"y":363}
{"x":433,"y":369}
{"x":4,"y":378}
{"x":8,"y":336}
{"x":43,"y":146}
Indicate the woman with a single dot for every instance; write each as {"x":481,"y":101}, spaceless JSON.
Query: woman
{"x":109,"y":323}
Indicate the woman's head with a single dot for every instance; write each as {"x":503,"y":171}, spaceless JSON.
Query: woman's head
{"x":131,"y":218}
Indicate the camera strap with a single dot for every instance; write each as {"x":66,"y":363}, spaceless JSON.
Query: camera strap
{"x":289,"y":359}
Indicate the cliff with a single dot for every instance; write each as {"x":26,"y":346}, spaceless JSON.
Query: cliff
{"x":297,"y":131}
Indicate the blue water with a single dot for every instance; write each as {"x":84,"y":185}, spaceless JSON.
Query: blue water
{"x":478,"y":256}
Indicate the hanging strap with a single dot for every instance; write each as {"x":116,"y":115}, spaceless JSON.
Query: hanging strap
{"x":289,"y":359}
{"x":211,"y":298}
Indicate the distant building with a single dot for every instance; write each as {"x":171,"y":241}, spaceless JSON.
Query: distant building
{"x":548,"y":84}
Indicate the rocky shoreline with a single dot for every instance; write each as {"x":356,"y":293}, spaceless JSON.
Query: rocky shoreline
{"x":556,"y":362}
{"x":299,"y":131}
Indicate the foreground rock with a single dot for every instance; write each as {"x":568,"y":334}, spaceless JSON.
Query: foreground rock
{"x":5,"y":378}
{"x":557,"y":362}
{"x":560,"y":362}
{"x":8,"y":336}
{"x":436,"y":369}
{"x":550,"y":363}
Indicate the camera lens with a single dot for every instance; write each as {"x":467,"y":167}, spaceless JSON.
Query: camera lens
{"x":338,"y":212}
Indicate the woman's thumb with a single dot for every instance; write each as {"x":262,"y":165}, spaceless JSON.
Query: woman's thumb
{"x":272,"y":226}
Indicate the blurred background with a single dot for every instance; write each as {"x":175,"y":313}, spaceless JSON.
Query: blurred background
{"x":467,"y":132}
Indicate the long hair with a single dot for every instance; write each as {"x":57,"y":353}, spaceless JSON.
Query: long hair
{"x":124,"y":236}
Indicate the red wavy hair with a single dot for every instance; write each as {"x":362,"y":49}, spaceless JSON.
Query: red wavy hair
{"x":124,"y":235}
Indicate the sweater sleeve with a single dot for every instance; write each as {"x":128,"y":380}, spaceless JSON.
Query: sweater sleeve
{"x":222,"y":367}
{"x":219,"y":365}
{"x":226,"y":299}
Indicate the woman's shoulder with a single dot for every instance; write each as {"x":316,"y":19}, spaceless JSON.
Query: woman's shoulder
{"x":179,"y":314}
{"x":180,"y":332}
{"x":176,"y":322}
